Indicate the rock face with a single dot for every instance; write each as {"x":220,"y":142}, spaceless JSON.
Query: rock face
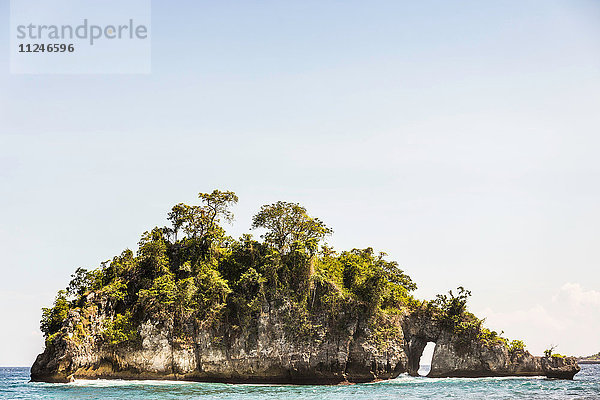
{"x":350,"y":352}
{"x":270,"y":354}
{"x":455,"y":357}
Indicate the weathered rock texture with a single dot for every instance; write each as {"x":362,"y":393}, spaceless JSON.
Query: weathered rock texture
{"x":271,"y":353}
{"x":454,"y":356}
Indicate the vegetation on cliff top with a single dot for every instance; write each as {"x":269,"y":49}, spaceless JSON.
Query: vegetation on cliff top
{"x":191,"y":274}
{"x":451,"y":312}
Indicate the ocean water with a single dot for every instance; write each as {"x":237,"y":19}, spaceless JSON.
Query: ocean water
{"x":14,"y":384}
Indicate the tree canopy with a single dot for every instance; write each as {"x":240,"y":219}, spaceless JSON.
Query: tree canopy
{"x":191,"y":274}
{"x":287,"y":223}
{"x":203,"y":221}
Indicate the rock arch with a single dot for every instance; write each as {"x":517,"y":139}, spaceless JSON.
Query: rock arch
{"x":452,"y":357}
{"x":418,"y":331}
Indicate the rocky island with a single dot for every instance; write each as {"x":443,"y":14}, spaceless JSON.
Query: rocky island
{"x":196,"y":304}
{"x":593,"y":359}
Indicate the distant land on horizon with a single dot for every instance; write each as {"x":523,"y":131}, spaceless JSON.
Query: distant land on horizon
{"x":593,"y":359}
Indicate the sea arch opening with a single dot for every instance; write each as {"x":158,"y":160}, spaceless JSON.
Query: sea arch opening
{"x":415,"y":349}
{"x":426,"y":358}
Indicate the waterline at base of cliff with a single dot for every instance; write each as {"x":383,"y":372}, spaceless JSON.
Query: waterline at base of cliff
{"x":14,"y":384}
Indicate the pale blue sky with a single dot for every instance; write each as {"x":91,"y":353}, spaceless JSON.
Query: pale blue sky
{"x":462,"y":138}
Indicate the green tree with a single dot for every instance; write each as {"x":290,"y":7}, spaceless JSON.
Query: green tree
{"x":81,"y":281}
{"x":247,"y":296}
{"x":202,"y":222}
{"x":212,"y":291}
{"x":178,"y":217}
{"x":451,"y":306}
{"x":120,"y":329}
{"x":516,"y":345}
{"x":161,"y":296}
{"x":152,"y":259}
{"x":374,"y":280}
{"x":52,"y":318}
{"x":287,"y":223}
{"x":217,"y":206}
{"x":550,"y":351}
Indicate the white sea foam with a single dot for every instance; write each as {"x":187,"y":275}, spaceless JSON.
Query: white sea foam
{"x":405,"y":378}
{"x":123,"y":382}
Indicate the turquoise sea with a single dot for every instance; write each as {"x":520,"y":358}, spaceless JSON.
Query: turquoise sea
{"x":14,"y":384}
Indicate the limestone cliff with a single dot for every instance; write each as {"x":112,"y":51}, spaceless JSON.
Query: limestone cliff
{"x":272,"y":353}
{"x":350,"y":352}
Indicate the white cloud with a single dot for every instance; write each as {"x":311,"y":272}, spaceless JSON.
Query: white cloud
{"x":569,"y":318}
{"x":576,"y":297}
